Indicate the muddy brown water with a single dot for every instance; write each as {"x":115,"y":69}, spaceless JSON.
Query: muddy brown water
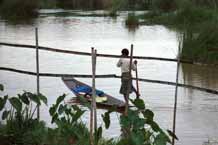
{"x":197,"y":114}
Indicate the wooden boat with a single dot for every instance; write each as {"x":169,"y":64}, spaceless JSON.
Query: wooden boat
{"x":111,"y":103}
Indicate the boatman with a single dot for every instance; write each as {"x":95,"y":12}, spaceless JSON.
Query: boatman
{"x":126,"y":79}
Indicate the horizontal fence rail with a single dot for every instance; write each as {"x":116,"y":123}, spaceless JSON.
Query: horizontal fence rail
{"x":110,"y":76}
{"x":89,"y":54}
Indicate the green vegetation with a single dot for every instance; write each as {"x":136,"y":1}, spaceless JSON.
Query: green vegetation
{"x":18,"y":9}
{"x":202,"y":45}
{"x":132,"y":20}
{"x":20,"y":126}
{"x":197,"y":20}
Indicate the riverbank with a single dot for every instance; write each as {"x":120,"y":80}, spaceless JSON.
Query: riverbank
{"x":198,"y":26}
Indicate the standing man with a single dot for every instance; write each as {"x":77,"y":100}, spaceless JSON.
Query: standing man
{"x":126,"y":79}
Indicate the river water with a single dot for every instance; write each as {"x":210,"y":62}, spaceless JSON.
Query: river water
{"x":197,"y":113}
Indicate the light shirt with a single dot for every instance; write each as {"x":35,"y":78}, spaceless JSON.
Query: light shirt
{"x":124,"y":64}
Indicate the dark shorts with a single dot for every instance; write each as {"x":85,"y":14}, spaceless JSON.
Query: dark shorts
{"x":126,"y":82}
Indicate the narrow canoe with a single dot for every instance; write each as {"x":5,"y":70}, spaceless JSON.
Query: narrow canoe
{"x":111,"y":103}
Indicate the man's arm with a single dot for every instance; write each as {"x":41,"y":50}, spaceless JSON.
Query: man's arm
{"x":134,"y":63}
{"x":119,"y":63}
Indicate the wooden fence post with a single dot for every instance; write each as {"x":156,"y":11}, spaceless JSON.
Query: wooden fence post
{"x":94,"y":52}
{"x":137,"y":81}
{"x":93,"y":112}
{"x":176,"y":94}
{"x":129,"y":82}
{"x":37,"y":69}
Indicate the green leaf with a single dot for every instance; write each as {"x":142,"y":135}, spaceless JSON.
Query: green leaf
{"x":148,"y":114}
{"x":24,"y":98}
{"x":76,"y":108}
{"x":172,"y":134}
{"x":3,"y":102}
{"x":106,"y":119}
{"x":153,"y":125}
{"x":34,"y":98}
{"x":78,"y":114}
{"x":85,"y":102}
{"x":137,"y":138}
{"x":5,"y":114}
{"x":54,"y":118}
{"x":60,"y":99}
{"x":160,"y":139}
{"x":52,"y":110}
{"x":139,"y":103}
{"x":98,"y":135}
{"x":1,"y":87}
{"x":61,"y":109}
{"x":43,"y":99}
{"x":15,"y":102}
{"x":124,"y":121}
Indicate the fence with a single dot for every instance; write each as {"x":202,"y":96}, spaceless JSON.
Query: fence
{"x":38,"y":74}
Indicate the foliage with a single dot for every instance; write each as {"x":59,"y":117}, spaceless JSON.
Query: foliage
{"x":13,"y":9}
{"x":21,"y":125}
{"x":201,"y":46}
{"x":47,"y":4}
{"x":198,"y":22}
{"x":69,"y":127}
{"x":164,"y":5}
{"x":139,"y":127}
{"x":22,"y":128}
{"x":116,"y":5}
{"x":132,"y":20}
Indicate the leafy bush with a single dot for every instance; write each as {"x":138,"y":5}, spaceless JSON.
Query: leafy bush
{"x":139,"y":127}
{"x":70,"y":129}
{"x":22,"y":128}
{"x":21,"y":125}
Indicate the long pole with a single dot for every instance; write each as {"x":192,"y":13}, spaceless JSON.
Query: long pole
{"x":94,"y":88}
{"x":129,"y":82}
{"x":93,"y":112}
{"x":137,"y":81}
{"x":37,"y":69}
{"x":176,"y":94}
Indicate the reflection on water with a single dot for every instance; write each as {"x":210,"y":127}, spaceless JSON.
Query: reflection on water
{"x":200,"y":75}
{"x":197,"y":118}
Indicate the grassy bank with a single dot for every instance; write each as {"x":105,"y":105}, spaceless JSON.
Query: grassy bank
{"x":20,"y":125}
{"x":197,"y":21}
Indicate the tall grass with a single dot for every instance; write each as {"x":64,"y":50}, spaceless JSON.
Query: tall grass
{"x":198,"y":20}
{"x":202,"y":46}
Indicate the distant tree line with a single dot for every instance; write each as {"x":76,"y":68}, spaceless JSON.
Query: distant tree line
{"x":18,"y":8}
{"x":96,"y":4}
{"x":26,"y":8}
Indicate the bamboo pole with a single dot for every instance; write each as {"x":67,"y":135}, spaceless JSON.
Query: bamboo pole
{"x":93,"y":113}
{"x":129,"y":81}
{"x":60,"y":50}
{"x":94,"y":52}
{"x":37,"y":69}
{"x":110,"y":76}
{"x":176,"y":94}
{"x":137,"y":81}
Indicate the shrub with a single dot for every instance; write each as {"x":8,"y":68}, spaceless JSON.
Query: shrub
{"x":21,"y":125}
